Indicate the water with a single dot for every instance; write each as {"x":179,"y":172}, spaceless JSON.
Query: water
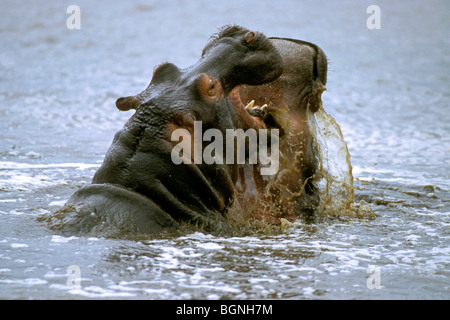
{"x":387,"y":88}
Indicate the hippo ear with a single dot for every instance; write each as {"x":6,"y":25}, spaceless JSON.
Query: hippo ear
{"x":127,"y":103}
{"x":209,"y":89}
{"x":165,"y":72}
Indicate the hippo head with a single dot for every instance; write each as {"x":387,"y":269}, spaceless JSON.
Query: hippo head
{"x":139,"y":188}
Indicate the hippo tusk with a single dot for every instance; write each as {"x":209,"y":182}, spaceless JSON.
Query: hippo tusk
{"x":250,"y":105}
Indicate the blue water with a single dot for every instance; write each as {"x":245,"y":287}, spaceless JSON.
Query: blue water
{"x":388,"y":89}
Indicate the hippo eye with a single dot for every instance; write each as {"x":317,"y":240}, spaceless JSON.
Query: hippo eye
{"x":209,"y":88}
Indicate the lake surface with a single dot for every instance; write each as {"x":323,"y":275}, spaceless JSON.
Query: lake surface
{"x":388,"y":89}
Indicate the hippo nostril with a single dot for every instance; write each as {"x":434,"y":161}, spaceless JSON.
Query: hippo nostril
{"x":249,"y":36}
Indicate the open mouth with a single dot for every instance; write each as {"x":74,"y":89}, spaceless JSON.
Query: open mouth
{"x":250,"y":115}
{"x":251,"y":104}
{"x":259,"y":112}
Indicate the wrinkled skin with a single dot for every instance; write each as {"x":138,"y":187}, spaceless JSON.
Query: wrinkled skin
{"x":139,"y":190}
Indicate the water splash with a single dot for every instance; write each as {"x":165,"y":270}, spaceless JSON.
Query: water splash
{"x":334,"y":177}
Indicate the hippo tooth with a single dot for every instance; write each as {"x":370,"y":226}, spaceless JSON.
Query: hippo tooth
{"x":250,"y":105}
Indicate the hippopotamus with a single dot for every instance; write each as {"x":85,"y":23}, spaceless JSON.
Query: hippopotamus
{"x":243,"y":80}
